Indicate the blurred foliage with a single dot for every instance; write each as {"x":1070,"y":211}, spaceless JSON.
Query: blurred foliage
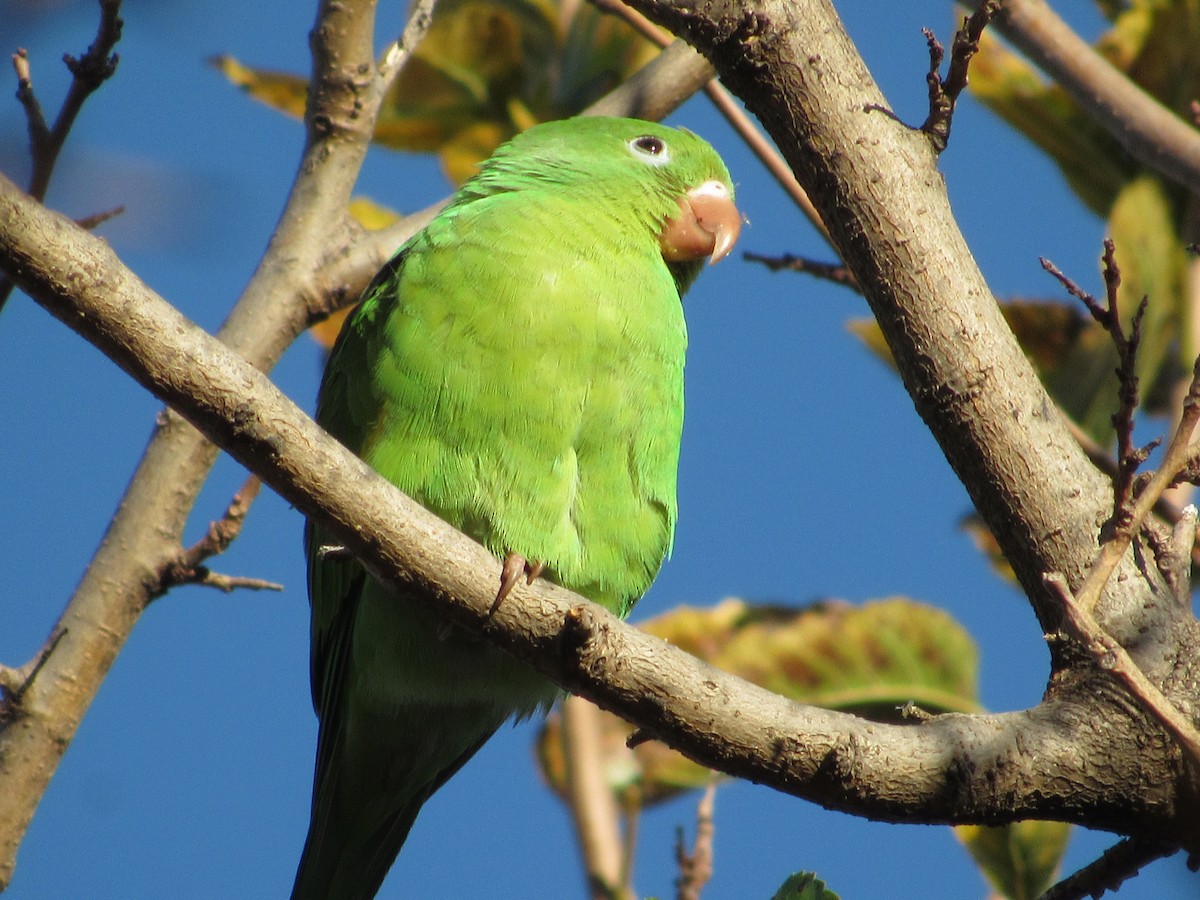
{"x":804,"y":886}
{"x":872,"y":660}
{"x":1019,"y":861}
{"x":1149,"y":218}
{"x":486,"y":70}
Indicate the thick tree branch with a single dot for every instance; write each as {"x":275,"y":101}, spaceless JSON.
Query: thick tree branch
{"x":1113,"y":658}
{"x":876,"y":186}
{"x":1042,"y":763}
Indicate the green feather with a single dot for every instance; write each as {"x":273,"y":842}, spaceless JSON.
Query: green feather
{"x":517,"y":368}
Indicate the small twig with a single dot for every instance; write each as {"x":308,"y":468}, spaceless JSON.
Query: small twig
{"x":944,"y":92}
{"x":1134,"y":499}
{"x":230,"y":583}
{"x":834,"y":272}
{"x":639,"y":737}
{"x":696,"y":867}
{"x":1165,"y":508}
{"x":910,"y":712}
{"x":1109,"y":871}
{"x":36,"y":120}
{"x":1112,"y":657}
{"x":1108,"y":316}
{"x":399,"y":51}
{"x":89,"y":72}
{"x":96,"y":219}
{"x":1174,"y":553}
{"x":186,"y":568}
{"x":631,"y":812}
{"x":729,"y":108}
{"x":1178,"y":457}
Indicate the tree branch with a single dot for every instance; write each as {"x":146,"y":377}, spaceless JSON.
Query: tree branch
{"x":590,"y":799}
{"x":1116,"y":865}
{"x":960,"y":768}
{"x":88,"y":72}
{"x":943,"y":92}
{"x":696,"y":866}
{"x":1149,"y":132}
{"x":876,"y":185}
{"x":1112,"y":657}
{"x":145,"y":534}
{"x":188,"y":568}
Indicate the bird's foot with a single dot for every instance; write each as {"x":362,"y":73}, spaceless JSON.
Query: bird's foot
{"x":515,"y":566}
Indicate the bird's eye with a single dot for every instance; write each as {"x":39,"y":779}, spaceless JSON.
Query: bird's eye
{"x":650,"y":149}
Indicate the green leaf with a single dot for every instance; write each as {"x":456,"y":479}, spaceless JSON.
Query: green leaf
{"x":1019,"y":860}
{"x":804,"y":886}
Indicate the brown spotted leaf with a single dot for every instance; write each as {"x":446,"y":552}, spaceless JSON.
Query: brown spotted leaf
{"x":871,"y":659}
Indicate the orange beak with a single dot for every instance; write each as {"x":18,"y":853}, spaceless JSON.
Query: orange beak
{"x":707,"y":225}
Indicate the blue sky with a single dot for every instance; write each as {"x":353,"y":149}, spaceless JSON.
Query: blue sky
{"x":805,"y":474}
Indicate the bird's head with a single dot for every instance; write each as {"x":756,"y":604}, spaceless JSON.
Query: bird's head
{"x":667,"y":180}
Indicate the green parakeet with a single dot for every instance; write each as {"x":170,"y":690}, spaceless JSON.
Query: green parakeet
{"x":517,"y":368}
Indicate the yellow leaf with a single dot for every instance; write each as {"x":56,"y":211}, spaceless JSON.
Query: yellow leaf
{"x":371,"y":215}
{"x":281,"y":90}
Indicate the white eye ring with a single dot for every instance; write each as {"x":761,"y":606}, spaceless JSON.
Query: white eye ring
{"x":651,"y":149}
